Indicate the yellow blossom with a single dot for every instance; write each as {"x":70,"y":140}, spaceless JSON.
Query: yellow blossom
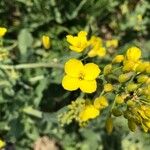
{"x":46,"y":41}
{"x":118,"y":59}
{"x":100,"y":102}
{"x":112,"y":43}
{"x":2,"y":31}
{"x":2,"y":144}
{"x":89,"y":112}
{"x":79,"y":42}
{"x":133,"y":54}
{"x":97,"y":47}
{"x":80,"y":76}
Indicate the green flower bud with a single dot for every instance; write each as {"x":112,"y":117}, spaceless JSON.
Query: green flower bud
{"x":132,"y":125}
{"x":116,"y":112}
{"x":109,"y":125}
{"x":107,"y":69}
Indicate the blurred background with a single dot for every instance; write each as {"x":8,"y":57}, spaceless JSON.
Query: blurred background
{"x":31,"y":99}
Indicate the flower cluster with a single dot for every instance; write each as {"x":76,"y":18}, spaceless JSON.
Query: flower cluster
{"x":83,"y":110}
{"x":126,"y":78}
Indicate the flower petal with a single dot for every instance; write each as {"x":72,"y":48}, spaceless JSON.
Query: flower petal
{"x":91,"y":71}
{"x":88,"y":86}
{"x":73,"y":67}
{"x":70,"y":83}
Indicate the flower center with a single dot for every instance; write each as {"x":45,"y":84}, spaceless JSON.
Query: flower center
{"x":81,"y":76}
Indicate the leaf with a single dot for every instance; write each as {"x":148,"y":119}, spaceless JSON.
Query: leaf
{"x":25,"y":41}
{"x":33,"y":112}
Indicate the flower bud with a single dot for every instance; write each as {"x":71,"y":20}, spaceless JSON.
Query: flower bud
{"x":119,"y":99}
{"x":142,"y":78}
{"x":107,"y":69}
{"x":123,"y":78}
{"x":116,"y":112}
{"x":131,"y":87}
{"x":109,"y":125}
{"x":108,"y":87}
{"x":118,"y":59}
{"x":46,"y":41}
{"x":132,"y":125}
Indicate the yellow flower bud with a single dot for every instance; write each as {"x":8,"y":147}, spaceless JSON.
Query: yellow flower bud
{"x":123,"y":78}
{"x":107,"y":69}
{"x":112,"y":43}
{"x":46,"y":41}
{"x":131,"y":87}
{"x":133,"y":54}
{"x":109,"y":125}
{"x":142,"y":66}
{"x":119,"y":99}
{"x":100,"y":102}
{"x":108,"y":87}
{"x":142,"y":78}
{"x":118,"y":59}
{"x":130,"y":103}
{"x":2,"y":31}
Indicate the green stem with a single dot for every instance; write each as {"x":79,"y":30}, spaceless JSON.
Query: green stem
{"x":32,"y":65}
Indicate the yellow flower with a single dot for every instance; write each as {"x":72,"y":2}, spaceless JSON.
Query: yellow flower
{"x":78,"y":43}
{"x":80,"y":76}
{"x":112,"y":43}
{"x":100,"y":102}
{"x":118,"y":59}
{"x":97,"y":47}
{"x":2,"y":31}
{"x":2,"y":144}
{"x":133,"y":54}
{"x":46,"y":41}
{"x":89,"y":112}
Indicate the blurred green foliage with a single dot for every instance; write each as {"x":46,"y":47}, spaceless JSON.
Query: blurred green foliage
{"x":32,"y":96}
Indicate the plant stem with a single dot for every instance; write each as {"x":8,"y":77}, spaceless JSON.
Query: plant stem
{"x":32,"y":65}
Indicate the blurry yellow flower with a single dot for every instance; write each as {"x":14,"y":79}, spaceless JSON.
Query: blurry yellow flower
{"x":118,"y":59}
{"x":89,"y":112}
{"x":108,"y":87}
{"x":46,"y":41}
{"x":2,"y":31}
{"x":79,"y":42}
{"x":112,"y":43}
{"x":2,"y":144}
{"x":133,"y":54}
{"x":97,"y":47}
{"x":100,"y":102}
{"x":80,"y":76}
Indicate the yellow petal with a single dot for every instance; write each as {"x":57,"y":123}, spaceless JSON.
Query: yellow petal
{"x":88,"y":86}
{"x":91,"y":71}
{"x":101,"y":51}
{"x":70,"y":39}
{"x":73,"y":67}
{"x":89,"y":112}
{"x":92,"y":53}
{"x":82,"y":33}
{"x":133,"y":53}
{"x":70,"y":83}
